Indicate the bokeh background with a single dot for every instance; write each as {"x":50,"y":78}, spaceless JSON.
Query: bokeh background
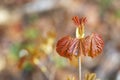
{"x":29,"y":30}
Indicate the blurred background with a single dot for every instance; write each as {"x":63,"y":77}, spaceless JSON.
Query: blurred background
{"x":29,"y":30}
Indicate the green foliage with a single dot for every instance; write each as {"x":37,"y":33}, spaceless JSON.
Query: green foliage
{"x":104,"y":5}
{"x":14,"y":50}
{"x":27,"y":66}
{"x":31,"y":33}
{"x":59,"y":61}
{"x":117,"y":13}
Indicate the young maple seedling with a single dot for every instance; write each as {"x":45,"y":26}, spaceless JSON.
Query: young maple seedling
{"x":91,"y":45}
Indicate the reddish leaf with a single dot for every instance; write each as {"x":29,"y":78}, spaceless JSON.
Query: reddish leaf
{"x":79,"y":21}
{"x":94,"y":44}
{"x":68,"y":47}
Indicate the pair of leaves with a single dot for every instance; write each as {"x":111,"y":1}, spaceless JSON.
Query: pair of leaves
{"x":89,"y":46}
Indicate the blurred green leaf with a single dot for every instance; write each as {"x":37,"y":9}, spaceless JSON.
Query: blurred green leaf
{"x":59,"y":61}
{"x":33,"y":18}
{"x":28,"y":66}
{"x":17,"y":47}
{"x":104,"y":5}
{"x":14,"y":50}
{"x":117,"y":13}
{"x":31,"y":33}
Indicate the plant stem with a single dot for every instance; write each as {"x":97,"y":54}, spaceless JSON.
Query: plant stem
{"x":79,"y":66}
